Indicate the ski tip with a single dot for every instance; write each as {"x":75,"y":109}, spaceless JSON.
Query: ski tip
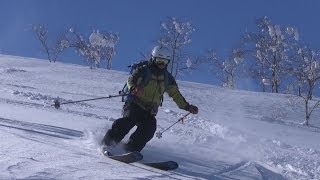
{"x":127,"y":157}
{"x":163,"y":165}
{"x":173,"y":165}
{"x":105,"y":151}
{"x":137,"y":155}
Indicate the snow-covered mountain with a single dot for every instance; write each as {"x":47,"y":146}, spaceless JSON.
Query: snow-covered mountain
{"x":236,"y":135}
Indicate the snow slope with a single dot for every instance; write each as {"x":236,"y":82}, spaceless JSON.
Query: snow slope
{"x":236,"y":135}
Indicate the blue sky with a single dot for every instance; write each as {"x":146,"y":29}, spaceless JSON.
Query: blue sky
{"x":218,"y":24}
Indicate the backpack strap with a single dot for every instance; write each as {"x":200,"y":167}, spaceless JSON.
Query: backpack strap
{"x":147,"y":75}
{"x":166,"y":79}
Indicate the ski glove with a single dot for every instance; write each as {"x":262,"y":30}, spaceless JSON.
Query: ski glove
{"x":137,"y":91}
{"x":192,"y":109}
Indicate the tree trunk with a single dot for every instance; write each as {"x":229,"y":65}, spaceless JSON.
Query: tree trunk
{"x":307,"y":112}
{"x":109,"y":64}
{"x":311,"y":87}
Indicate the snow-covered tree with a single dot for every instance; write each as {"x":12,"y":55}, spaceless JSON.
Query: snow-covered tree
{"x":103,"y":44}
{"x":306,"y":70}
{"x":175,"y":34}
{"x":99,"y":46}
{"x":271,"y":47}
{"x":226,"y":70}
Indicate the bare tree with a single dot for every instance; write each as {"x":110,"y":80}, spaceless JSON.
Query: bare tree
{"x":175,"y":34}
{"x":193,"y":63}
{"x":310,"y":106}
{"x":60,"y":45}
{"x":52,"y":51}
{"x":271,"y":46}
{"x":41,"y":32}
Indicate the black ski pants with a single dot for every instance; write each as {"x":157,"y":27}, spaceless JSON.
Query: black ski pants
{"x":133,"y":115}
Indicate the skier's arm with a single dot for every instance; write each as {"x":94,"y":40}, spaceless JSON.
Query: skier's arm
{"x":173,"y":91}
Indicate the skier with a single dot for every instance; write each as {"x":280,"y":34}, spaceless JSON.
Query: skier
{"x":146,"y":85}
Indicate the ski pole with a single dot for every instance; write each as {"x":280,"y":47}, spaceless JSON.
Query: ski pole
{"x":57,"y":103}
{"x":159,"y":134}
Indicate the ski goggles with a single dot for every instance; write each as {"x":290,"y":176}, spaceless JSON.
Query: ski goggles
{"x":160,"y":61}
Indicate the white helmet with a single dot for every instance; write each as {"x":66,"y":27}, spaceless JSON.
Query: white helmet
{"x":161,"y":52}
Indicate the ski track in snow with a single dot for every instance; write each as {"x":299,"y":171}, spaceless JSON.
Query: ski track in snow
{"x":48,"y":130}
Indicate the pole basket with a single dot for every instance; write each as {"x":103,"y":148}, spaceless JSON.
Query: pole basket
{"x":56,"y":104}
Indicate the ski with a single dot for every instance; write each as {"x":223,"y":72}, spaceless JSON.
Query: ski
{"x":126,"y":158}
{"x":165,"y":165}
{"x":135,"y":156}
